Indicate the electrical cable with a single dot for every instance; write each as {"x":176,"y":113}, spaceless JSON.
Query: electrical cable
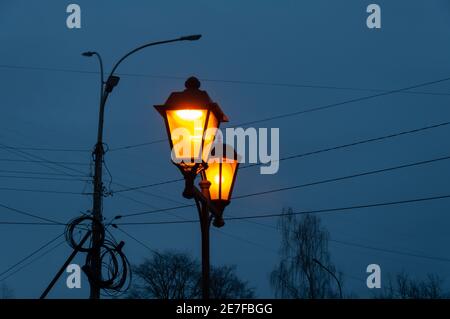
{"x":31,"y":255}
{"x":22,"y":212}
{"x":38,"y":173}
{"x":29,"y":223}
{"x":33,"y":260}
{"x":44,"y":178}
{"x":319,"y":151}
{"x":310,"y":110}
{"x":112,"y":258}
{"x":383,"y":170}
{"x":317,"y":211}
{"x":36,"y":161}
{"x":330,"y":180}
{"x":34,"y":190}
{"x":228,"y":81}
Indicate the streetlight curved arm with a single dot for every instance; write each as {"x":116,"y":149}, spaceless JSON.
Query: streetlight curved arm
{"x":102,"y":76}
{"x":331,"y":273}
{"x":185,"y":38}
{"x":100,"y":61}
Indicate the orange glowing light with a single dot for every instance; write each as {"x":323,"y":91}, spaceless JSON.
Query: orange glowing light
{"x":221,"y":173}
{"x":191,"y":120}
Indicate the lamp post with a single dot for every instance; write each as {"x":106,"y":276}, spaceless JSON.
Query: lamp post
{"x":106,"y":87}
{"x":192,"y":121}
{"x":332,"y":275}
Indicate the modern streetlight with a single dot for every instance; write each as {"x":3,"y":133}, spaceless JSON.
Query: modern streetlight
{"x":192,"y":120}
{"x":332,"y":275}
{"x":106,"y":87}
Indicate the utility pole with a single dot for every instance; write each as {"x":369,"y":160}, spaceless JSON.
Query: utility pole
{"x":97,"y":210}
{"x":106,"y":88}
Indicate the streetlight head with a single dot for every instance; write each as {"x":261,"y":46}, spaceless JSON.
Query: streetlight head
{"x":194,"y":37}
{"x":87,"y":53}
{"x":191,"y":120}
{"x":223,"y":164}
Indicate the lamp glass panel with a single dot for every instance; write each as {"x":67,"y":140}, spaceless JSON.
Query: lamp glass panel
{"x":221,"y":180}
{"x":210,"y":134}
{"x":186,"y":128}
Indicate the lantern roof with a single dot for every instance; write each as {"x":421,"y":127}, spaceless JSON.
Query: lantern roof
{"x":193,"y":97}
{"x":227,"y":151}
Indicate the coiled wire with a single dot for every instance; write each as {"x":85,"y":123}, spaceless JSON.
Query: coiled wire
{"x":115,"y":267}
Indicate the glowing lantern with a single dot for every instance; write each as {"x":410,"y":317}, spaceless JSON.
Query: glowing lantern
{"x":192,"y":120}
{"x":221,"y":173}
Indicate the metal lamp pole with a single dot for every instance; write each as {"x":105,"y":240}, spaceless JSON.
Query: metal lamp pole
{"x":207,"y":212}
{"x":205,"y":222}
{"x":106,"y":88}
{"x":332,"y":275}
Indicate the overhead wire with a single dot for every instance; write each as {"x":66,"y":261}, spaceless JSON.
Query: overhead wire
{"x":30,"y":255}
{"x":311,"y":110}
{"x":33,"y":260}
{"x":304,"y":185}
{"x":300,"y":155}
{"x":316,"y":211}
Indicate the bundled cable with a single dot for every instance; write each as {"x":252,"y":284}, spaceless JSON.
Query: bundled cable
{"x":115,"y":275}
{"x":116,"y":270}
{"x":83,"y":223}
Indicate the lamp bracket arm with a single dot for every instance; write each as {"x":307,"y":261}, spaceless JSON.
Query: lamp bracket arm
{"x":198,"y":195}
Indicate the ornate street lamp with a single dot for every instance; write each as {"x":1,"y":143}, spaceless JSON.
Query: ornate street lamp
{"x":192,"y":121}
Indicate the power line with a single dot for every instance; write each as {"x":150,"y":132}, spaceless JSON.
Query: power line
{"x":391,"y":251}
{"x":228,"y":81}
{"x":358,"y":245}
{"x":31,"y":254}
{"x":43,"y":160}
{"x":383,"y":170}
{"x":360,"y":142}
{"x":138,"y":241}
{"x":30,"y":223}
{"x":53,"y":149}
{"x":37,"y":161}
{"x":35,"y":190}
{"x":148,"y":185}
{"x":45,"y":178}
{"x":145,"y":193}
{"x":119,"y":148}
{"x":317,"y":211}
{"x":352,"y":244}
{"x":337,"y":104}
{"x":324,"y":150}
{"x":34,"y":260}
{"x":313,"y":109}
{"x":38,"y":173}
{"x":22,"y":212}
{"x":330,"y":180}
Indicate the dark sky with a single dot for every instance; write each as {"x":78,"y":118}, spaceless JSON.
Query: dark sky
{"x":310,"y":43}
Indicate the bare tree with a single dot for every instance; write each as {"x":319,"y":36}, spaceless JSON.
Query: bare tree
{"x":404,"y":287}
{"x":226,"y":285}
{"x":297,"y":275}
{"x":166,"y":276}
{"x":6,"y":292}
{"x":174,"y":275}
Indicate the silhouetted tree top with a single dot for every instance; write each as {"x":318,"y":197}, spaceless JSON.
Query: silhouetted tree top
{"x":176,"y":275}
{"x":297,"y":275}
